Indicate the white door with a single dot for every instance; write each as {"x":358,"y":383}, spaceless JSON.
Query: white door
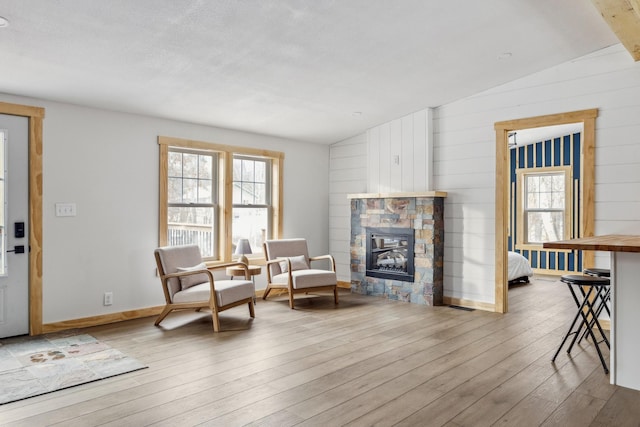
{"x":14,"y":225}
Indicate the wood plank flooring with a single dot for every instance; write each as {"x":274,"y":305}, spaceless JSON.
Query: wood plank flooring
{"x":367,"y":362}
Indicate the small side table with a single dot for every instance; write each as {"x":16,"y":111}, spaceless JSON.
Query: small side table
{"x":239,"y":271}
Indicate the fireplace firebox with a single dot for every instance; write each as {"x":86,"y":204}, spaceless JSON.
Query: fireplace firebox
{"x":390,"y":254}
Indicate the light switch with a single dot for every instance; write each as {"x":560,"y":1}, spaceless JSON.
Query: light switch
{"x":65,"y":209}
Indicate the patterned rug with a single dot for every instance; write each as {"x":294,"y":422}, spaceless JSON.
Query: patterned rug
{"x":30,"y":366}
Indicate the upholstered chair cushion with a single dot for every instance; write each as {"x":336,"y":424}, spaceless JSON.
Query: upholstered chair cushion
{"x":178,"y":256}
{"x":227,"y":292}
{"x":285,"y":248}
{"x":193,"y":279}
{"x":297,"y":263}
{"x":309,"y":278}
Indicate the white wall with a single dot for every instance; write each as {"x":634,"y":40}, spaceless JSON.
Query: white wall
{"x":107,"y":163}
{"x":464,"y":157}
{"x":348,"y":174}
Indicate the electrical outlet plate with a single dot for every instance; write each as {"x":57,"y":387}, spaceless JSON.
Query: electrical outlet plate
{"x":108,"y":298}
{"x":65,"y":209}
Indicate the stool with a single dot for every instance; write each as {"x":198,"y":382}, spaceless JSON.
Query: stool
{"x":589,"y":287}
{"x":598,"y":272}
{"x":604,"y":301}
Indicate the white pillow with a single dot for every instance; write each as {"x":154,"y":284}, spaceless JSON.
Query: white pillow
{"x":193,"y":279}
{"x":297,"y":263}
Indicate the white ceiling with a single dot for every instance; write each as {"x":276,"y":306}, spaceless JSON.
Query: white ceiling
{"x":291,"y":68}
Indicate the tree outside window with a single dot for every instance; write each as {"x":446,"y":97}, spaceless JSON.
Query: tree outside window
{"x":546,"y":204}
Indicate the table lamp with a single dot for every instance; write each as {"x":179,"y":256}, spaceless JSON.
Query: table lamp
{"x":243,"y":247}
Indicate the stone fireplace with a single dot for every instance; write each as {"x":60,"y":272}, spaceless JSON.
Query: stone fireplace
{"x":397,"y":246}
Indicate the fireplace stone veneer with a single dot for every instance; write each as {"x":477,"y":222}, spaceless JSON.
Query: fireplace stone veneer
{"x":421,"y":212}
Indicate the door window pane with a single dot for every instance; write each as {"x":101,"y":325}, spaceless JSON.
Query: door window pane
{"x":3,"y":228}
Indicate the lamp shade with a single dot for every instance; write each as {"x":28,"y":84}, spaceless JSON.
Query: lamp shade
{"x":243,"y":247}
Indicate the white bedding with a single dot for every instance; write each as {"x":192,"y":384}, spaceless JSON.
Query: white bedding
{"x":518,"y":266}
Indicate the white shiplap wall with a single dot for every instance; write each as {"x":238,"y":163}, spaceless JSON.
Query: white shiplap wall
{"x":464,"y":158}
{"x":347,"y":174}
{"x":399,"y":154}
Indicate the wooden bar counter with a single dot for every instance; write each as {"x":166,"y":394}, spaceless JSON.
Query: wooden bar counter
{"x":625,"y":301}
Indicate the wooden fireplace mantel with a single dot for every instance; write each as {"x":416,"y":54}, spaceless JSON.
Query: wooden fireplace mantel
{"x":397,"y":195}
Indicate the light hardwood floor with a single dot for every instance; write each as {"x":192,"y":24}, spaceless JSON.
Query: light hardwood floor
{"x":367,"y":362}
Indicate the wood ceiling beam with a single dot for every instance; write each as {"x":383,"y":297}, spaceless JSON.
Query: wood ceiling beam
{"x":623,"y":16}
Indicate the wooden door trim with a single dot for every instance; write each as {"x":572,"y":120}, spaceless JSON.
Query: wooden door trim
{"x":35,"y":116}
{"x":587,"y":118}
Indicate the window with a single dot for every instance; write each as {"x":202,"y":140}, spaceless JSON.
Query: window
{"x":251,"y":200}
{"x":191,"y":204}
{"x":213,"y":195}
{"x":545,"y":205}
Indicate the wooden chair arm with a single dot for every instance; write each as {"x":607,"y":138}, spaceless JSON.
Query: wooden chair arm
{"x":185,"y":273}
{"x":278,"y":261}
{"x":328,"y":257}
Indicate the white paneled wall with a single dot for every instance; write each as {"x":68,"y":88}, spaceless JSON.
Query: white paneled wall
{"x":399,"y":154}
{"x":463,"y":162}
{"x":347,"y":174}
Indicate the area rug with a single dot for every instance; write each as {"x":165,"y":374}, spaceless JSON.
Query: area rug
{"x":31,"y":366}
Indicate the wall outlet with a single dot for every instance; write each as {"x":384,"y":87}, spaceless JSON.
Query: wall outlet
{"x":108,"y":298}
{"x":66,"y":209}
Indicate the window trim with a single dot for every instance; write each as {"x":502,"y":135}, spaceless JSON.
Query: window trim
{"x":521,"y":174}
{"x":225,"y":188}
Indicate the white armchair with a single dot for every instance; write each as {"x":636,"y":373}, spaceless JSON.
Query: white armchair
{"x":189,"y":284}
{"x":289,"y":268}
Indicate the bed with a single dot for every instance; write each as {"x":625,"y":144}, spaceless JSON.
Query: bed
{"x":519,"y":269}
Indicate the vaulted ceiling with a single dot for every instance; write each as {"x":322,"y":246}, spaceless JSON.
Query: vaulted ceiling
{"x":318,"y":71}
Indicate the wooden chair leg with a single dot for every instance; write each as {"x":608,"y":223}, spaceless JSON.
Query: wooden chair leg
{"x":335,"y":294}
{"x":216,"y":321}
{"x":266,"y":292}
{"x":291,"y":300}
{"x":162,"y":315}
{"x":251,"y":309}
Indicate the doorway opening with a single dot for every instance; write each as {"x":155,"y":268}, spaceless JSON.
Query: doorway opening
{"x":504,"y":135}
